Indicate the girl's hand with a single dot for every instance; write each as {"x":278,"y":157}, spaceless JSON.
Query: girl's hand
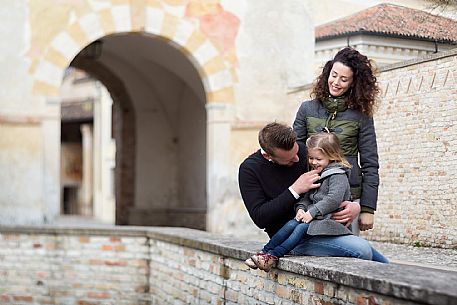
{"x":300,"y":214}
{"x":307,"y":217}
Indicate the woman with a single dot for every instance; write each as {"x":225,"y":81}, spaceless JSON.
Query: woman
{"x":345,"y":97}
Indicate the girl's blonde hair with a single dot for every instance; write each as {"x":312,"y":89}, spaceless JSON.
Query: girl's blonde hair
{"x":329,"y":145}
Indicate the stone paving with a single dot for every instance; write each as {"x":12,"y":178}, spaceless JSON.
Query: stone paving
{"x":445,"y":259}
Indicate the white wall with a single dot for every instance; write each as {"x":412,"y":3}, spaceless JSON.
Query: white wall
{"x":191,"y":124}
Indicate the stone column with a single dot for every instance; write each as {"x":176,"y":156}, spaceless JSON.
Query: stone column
{"x":51,"y":150}
{"x":85,"y":207}
{"x":104,"y":150}
{"x":219,"y":117}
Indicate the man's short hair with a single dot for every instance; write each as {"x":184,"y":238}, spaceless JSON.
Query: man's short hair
{"x":276,"y":135}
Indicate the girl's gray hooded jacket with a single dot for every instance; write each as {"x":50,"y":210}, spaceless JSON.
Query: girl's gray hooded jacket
{"x":323,"y":201}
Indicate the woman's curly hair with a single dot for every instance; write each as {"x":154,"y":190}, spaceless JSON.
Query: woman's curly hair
{"x":364,"y":91}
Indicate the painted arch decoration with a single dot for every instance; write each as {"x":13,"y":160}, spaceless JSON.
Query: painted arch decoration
{"x":203,"y":30}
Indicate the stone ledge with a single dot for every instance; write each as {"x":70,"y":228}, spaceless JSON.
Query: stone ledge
{"x":410,"y":283}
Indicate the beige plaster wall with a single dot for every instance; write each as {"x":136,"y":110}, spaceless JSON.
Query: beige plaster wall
{"x":29,"y":165}
{"x":21,"y":163}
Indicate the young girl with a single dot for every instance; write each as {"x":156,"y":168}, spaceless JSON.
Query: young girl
{"x":314,"y":210}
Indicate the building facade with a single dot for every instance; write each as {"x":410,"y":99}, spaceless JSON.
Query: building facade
{"x":191,"y":83}
{"x":387,"y":34}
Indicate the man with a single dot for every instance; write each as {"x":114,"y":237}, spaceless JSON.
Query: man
{"x":271,"y":181}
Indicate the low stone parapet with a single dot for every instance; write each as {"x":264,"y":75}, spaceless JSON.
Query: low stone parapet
{"x":157,"y":265}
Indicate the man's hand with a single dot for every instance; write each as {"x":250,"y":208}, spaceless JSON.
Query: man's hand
{"x":305,"y":182}
{"x":349,"y":212}
{"x":366,"y":221}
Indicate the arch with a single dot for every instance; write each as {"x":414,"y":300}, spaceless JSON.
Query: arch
{"x":124,"y":179}
{"x":215,"y":69}
{"x":216,"y":73}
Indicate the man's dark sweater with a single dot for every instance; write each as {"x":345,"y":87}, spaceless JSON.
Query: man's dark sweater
{"x":264,"y":188}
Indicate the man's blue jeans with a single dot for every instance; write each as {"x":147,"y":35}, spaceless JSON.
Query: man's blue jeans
{"x":289,"y":236}
{"x":346,"y":246}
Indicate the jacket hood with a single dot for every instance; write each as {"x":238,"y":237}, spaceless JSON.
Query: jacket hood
{"x":335,"y":168}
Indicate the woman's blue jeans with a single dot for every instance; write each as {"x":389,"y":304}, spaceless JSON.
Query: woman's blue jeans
{"x":346,"y":246}
{"x":289,"y":236}
{"x":292,"y":239}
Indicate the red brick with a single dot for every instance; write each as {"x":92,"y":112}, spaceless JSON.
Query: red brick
{"x":282,"y":292}
{"x":361,"y":300}
{"x":50,"y":246}
{"x":96,"y":262}
{"x":115,"y":239}
{"x":373,"y":301}
{"x":98,"y":295}
{"x":23,"y":298}
{"x":119,"y":248}
{"x":82,"y":302}
{"x":4,"y":298}
{"x":116,"y":263}
{"x":84,"y":239}
{"x":192,"y":262}
{"x":11,"y":237}
{"x":107,"y":248}
{"x":142,"y":289}
{"x":319,"y":287}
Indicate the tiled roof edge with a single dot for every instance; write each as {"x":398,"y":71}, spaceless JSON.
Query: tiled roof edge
{"x":384,"y":34}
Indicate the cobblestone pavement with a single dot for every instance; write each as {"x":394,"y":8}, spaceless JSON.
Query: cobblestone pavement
{"x":445,"y":259}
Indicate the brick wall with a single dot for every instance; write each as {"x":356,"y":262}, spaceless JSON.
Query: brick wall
{"x":73,"y":268}
{"x":139,"y":265}
{"x":416,"y":127}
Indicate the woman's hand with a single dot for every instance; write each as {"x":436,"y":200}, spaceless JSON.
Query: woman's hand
{"x":366,"y":221}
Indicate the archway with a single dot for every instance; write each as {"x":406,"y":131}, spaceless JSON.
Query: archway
{"x":159,"y":124}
